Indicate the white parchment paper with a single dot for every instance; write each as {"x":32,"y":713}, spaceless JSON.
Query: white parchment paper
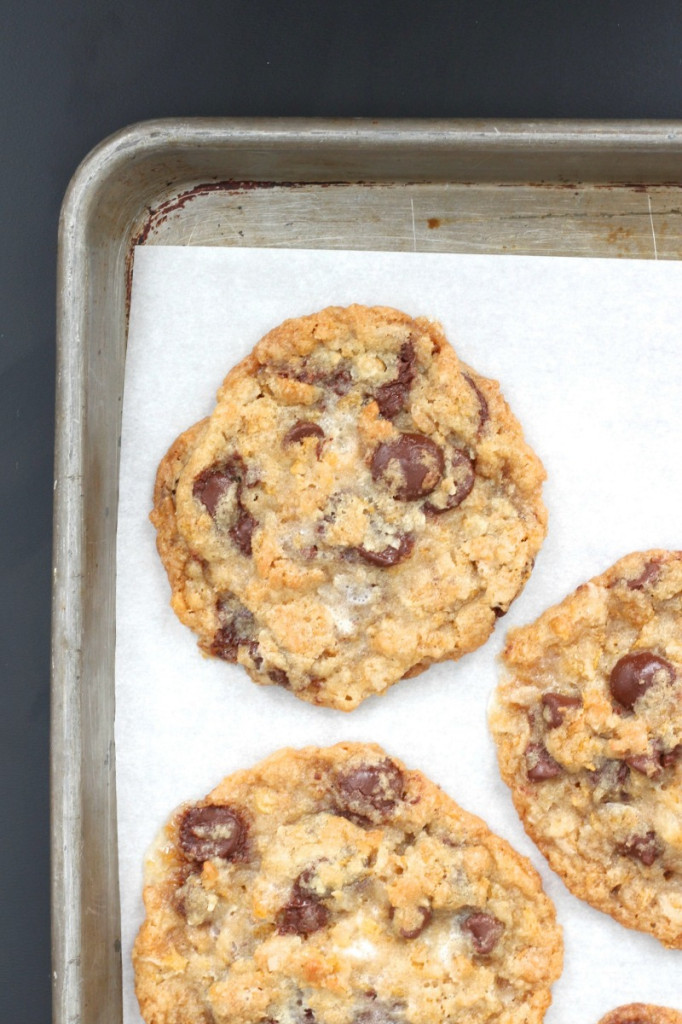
{"x":589,"y":356}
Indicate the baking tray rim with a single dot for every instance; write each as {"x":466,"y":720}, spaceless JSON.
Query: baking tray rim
{"x":90,"y":181}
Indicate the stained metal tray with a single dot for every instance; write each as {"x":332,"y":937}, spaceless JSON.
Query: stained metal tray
{"x":544,"y":188}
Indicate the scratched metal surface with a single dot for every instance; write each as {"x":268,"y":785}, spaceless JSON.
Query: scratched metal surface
{"x":574,"y":189}
{"x":575,"y":220}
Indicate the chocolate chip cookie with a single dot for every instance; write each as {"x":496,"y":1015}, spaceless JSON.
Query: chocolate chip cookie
{"x":588,"y":724}
{"x":642,"y":1013}
{"x":333,"y":886}
{"x":358,"y":506}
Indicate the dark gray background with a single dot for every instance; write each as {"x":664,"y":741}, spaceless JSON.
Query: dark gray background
{"x":72,"y":73}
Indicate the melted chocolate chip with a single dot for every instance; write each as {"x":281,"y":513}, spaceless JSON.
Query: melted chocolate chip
{"x":392,"y":396}
{"x":460,"y":467}
{"x":370,"y":789}
{"x":237,"y":629}
{"x":646,"y":848}
{"x":211,"y":485}
{"x":339,"y":380}
{"x":633,"y":674}
{"x":669,"y":758}
{"x":214,"y":482}
{"x":610,"y":778}
{"x":388,"y":556}
{"x":650,"y":574}
{"x":279,"y":676}
{"x":410,"y":466}
{"x":242,"y":531}
{"x":225,"y":645}
{"x":483,"y":411}
{"x":540,"y":765}
{"x":413,"y":933}
{"x":646,"y":764}
{"x":304,"y":913}
{"x":655,"y":762}
{"x":301,"y":430}
{"x":212,"y":831}
{"x":554,"y":705}
{"x":485,"y":931}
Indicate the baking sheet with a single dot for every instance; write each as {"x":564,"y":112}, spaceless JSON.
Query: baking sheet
{"x":587,"y":354}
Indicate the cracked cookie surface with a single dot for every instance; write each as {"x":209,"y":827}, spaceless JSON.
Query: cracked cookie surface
{"x":642,"y":1013}
{"x":334,"y":886}
{"x":588,"y":726}
{"x":358,"y":506}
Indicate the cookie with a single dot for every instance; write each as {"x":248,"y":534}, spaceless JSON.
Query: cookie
{"x":358,"y":506}
{"x":333,"y":886}
{"x":642,"y":1013}
{"x":588,"y":725}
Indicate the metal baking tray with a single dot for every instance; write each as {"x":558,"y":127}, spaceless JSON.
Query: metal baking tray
{"x":544,"y":188}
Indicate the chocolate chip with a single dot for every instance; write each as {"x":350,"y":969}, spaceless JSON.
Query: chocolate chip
{"x":609,"y":779}
{"x":646,"y":764}
{"x":413,"y":933}
{"x":633,"y":674}
{"x":460,"y":467}
{"x":389,"y":555}
{"x":215,"y":481}
{"x":540,"y":765}
{"x":237,"y":628}
{"x":483,"y":411}
{"x":224,"y":645}
{"x":212,"y":831}
{"x":652,"y":764}
{"x":304,"y":913}
{"x":279,"y":676}
{"x":392,"y":396}
{"x":302,"y":917}
{"x":370,"y":789}
{"x":410,"y":466}
{"x":670,"y":758}
{"x":554,"y":705}
{"x":242,"y":531}
{"x":212,"y":484}
{"x":485,"y":931}
{"x":339,"y":380}
{"x":646,"y":848}
{"x":302,"y":429}
{"x":650,"y":574}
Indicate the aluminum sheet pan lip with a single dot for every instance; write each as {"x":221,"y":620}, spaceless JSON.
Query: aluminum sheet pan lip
{"x":105,"y":205}
{"x":545,"y":141}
